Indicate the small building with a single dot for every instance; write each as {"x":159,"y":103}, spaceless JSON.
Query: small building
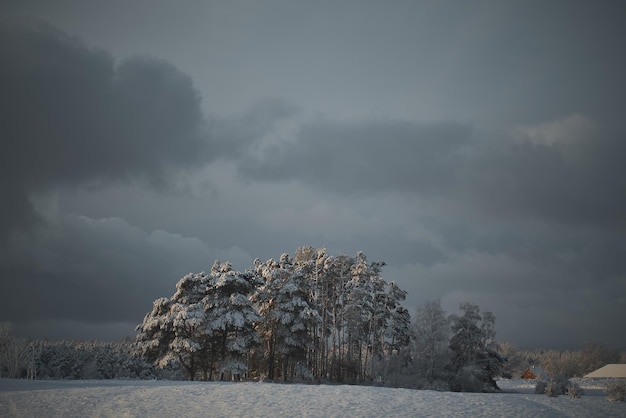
{"x":535,"y":372}
{"x":609,"y":371}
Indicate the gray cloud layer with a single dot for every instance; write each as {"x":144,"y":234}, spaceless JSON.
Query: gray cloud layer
{"x":497,"y":179}
{"x":505,"y":174}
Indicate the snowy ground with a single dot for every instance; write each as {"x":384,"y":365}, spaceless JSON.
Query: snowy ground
{"x":21,"y":398}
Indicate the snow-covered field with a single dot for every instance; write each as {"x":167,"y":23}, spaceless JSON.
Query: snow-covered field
{"x":106,"y":398}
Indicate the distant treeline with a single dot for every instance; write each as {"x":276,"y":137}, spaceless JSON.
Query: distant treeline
{"x":569,"y":363}
{"x":76,"y":360}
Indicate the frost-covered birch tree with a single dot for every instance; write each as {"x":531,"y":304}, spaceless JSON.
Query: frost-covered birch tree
{"x":430,"y":351}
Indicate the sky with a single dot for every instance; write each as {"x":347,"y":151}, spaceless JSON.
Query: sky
{"x":475,"y":147}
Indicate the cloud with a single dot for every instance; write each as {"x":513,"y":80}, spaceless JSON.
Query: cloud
{"x":259,"y":125}
{"x":575,"y":182}
{"x":570,"y":129}
{"x":72,"y":116}
{"x":98,"y":271}
{"x":565,"y":170}
{"x":370,"y":156}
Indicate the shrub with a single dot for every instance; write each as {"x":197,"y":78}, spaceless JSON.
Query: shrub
{"x":574,"y":390}
{"x":540,"y":387}
{"x":557,"y":385}
{"x":438,"y":385}
{"x":553,"y":389}
{"x":469,"y":379}
{"x":615,"y":390}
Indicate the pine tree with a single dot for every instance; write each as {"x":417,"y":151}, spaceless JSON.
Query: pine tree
{"x":311,"y":262}
{"x":283,"y":303}
{"x":176,"y":327}
{"x":475,"y":360}
{"x":339,"y":363}
{"x":231,"y":319}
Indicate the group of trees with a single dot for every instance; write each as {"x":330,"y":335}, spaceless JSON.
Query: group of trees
{"x":568,"y":363}
{"x":14,"y":353}
{"x":42,"y":359}
{"x":90,"y":360}
{"x":451,"y":352}
{"x":312,"y":316}
{"x":316,"y":317}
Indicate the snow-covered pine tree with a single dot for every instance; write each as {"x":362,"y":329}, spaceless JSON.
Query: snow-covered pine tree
{"x":396,"y":332}
{"x":383,"y":320}
{"x":311,"y":262}
{"x":474,"y":358}
{"x":361,"y":315}
{"x":299,"y":317}
{"x":338,"y":364}
{"x":287,"y":315}
{"x":231,"y":319}
{"x":155,"y":333}
{"x":176,"y":327}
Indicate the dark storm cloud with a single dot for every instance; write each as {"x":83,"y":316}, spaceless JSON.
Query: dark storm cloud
{"x":71,"y":116}
{"x":95,"y":271}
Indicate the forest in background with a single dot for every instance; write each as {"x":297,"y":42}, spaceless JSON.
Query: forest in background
{"x":313,"y":317}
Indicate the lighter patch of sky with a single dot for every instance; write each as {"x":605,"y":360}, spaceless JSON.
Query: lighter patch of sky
{"x":571,"y":135}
